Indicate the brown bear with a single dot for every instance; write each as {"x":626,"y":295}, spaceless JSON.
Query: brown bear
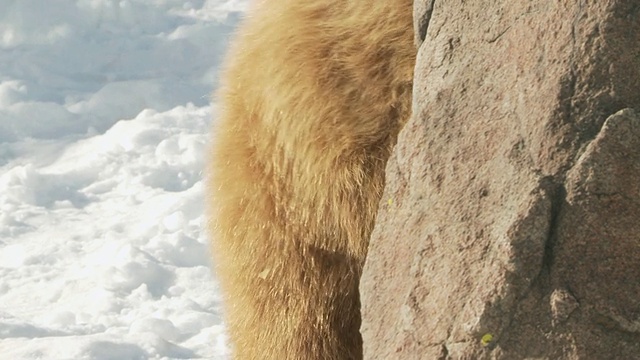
{"x":312,"y":97}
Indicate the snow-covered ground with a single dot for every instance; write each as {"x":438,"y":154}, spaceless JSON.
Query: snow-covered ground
{"x":104,"y":121}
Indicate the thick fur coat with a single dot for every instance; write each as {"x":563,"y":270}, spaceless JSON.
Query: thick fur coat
{"x":312,"y":98}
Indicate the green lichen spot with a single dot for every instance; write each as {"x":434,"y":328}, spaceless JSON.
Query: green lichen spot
{"x":486,"y":339}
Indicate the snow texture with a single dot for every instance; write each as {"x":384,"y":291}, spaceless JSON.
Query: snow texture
{"x":104,"y":120}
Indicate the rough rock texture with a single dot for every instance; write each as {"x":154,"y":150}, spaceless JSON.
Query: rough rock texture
{"x":510,"y":225}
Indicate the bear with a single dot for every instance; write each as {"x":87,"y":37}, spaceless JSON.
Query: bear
{"x":312,"y":96}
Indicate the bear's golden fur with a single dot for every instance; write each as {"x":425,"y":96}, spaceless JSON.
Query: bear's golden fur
{"x":311,"y":101}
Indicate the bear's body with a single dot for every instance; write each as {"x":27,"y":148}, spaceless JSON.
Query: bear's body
{"x":312,"y":99}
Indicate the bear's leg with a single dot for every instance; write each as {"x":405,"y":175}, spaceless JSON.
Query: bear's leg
{"x":289,"y":276}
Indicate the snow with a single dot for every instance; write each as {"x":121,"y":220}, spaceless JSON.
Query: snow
{"x":104,"y":120}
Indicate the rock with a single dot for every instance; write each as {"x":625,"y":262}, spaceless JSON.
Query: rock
{"x":510,"y":223}
{"x":562,"y":305}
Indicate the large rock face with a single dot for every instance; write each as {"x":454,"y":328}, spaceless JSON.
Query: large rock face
{"x":510,"y":225}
